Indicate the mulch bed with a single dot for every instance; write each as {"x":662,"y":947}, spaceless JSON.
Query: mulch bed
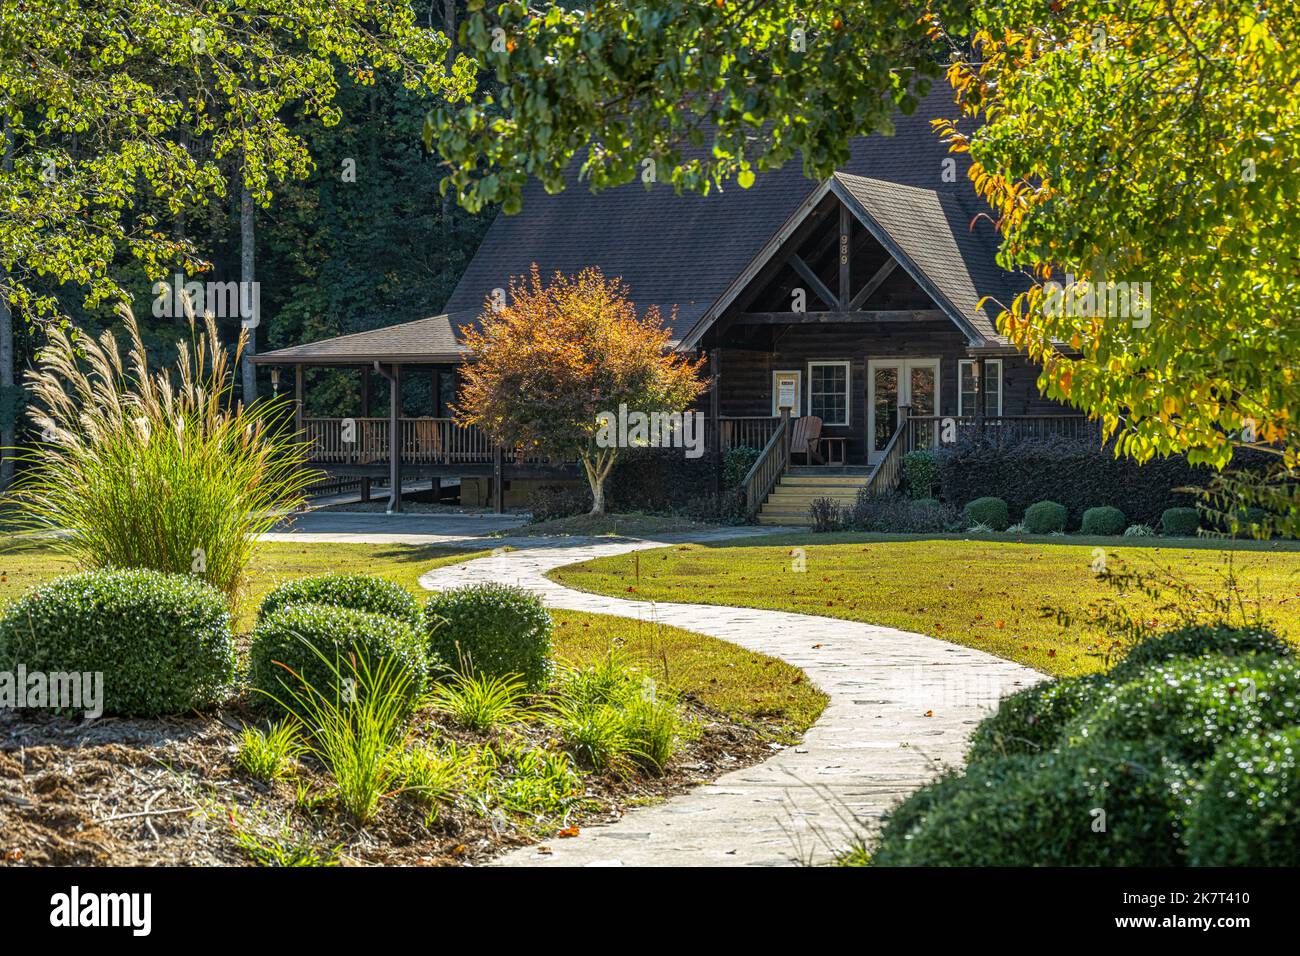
{"x":115,"y":792}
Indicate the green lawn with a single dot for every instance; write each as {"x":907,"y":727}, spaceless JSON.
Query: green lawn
{"x":750,"y":688}
{"x":998,"y":596}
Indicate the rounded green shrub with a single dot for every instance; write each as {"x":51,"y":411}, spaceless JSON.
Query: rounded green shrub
{"x":1189,"y":707}
{"x":1247,"y":808}
{"x":290,"y":638}
{"x":1045,"y":517}
{"x":989,"y":511}
{"x":1103,"y":520}
{"x":162,"y":641}
{"x":1030,"y":721}
{"x":1199,"y":640}
{"x":360,"y":592}
{"x":1180,"y":522}
{"x":1104,"y":804}
{"x":490,"y":630}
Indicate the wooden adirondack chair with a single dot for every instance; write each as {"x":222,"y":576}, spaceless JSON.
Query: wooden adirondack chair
{"x":804,"y":439}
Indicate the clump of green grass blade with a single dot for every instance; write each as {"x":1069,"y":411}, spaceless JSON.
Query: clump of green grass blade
{"x":538,"y":783}
{"x":270,"y":754}
{"x":277,"y":844}
{"x":359,"y":735}
{"x":438,"y":777}
{"x":614,"y":719}
{"x":137,"y":470}
{"x":481,"y":703}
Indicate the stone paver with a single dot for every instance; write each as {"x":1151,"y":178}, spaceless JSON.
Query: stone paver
{"x":901,"y":707}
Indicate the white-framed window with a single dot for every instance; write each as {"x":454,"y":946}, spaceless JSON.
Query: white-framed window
{"x":992,"y":386}
{"x":788,"y":377}
{"x":828,"y":392}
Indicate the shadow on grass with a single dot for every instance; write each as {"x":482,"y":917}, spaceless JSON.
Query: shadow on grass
{"x":807,"y":538}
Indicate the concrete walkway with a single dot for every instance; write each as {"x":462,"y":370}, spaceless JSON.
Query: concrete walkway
{"x":901,"y":707}
{"x":349,"y":527}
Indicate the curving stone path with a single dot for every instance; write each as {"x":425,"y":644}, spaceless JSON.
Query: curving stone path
{"x":901,"y":708}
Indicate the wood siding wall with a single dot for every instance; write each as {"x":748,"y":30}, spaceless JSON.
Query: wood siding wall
{"x":746,"y":370}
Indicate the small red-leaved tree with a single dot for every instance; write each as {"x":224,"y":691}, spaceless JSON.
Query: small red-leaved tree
{"x":546,"y":363}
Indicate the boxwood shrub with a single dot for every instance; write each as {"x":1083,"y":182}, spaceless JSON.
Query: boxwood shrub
{"x":1199,"y":640}
{"x":1046,"y":517}
{"x":285,"y":638}
{"x":1103,"y":520}
{"x":1043,"y":811}
{"x":1189,"y":707}
{"x":1180,"y":522}
{"x":1030,"y":721}
{"x":162,"y":641}
{"x":360,"y":592}
{"x":989,"y":511}
{"x":491,"y":630}
{"x":1247,"y":808}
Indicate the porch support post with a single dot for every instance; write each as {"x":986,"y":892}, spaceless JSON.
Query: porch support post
{"x":394,"y":435}
{"x":297,"y":398}
{"x":365,"y":413}
{"x":715,"y":405}
{"x":498,"y":479}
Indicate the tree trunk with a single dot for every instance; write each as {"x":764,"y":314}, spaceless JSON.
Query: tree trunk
{"x":8,"y":392}
{"x":247,"y":237}
{"x":597,"y":469}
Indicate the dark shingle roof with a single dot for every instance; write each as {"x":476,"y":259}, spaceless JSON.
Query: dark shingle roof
{"x":424,"y":340}
{"x":685,"y":251}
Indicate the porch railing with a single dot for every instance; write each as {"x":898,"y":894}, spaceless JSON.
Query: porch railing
{"x":364,"y":441}
{"x":753,"y":431}
{"x":930,"y":431}
{"x":768,"y":468}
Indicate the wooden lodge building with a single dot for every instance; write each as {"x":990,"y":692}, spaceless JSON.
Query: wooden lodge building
{"x":859,"y":296}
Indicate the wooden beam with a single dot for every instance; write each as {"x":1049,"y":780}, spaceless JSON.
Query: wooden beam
{"x":873,"y":284}
{"x":845,"y":232}
{"x":823,"y":318}
{"x":818,"y":287}
{"x":498,"y":479}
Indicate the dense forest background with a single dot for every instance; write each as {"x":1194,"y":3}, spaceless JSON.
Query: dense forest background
{"x":365,"y":241}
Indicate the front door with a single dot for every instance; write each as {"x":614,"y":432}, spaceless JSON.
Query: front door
{"x":895,"y":382}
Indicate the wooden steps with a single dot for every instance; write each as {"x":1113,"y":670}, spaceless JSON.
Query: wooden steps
{"x":793,"y":495}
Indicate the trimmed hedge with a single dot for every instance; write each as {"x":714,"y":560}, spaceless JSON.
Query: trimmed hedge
{"x":1247,"y":809}
{"x":1031,"y":721}
{"x":660,"y":479}
{"x":492,"y":630}
{"x":285,"y":637}
{"x":162,"y":641}
{"x":1046,"y":517}
{"x":895,"y":514}
{"x":1078,"y":474}
{"x":1103,"y":520}
{"x":1043,"y":811}
{"x":1199,"y":640}
{"x":1180,"y":522}
{"x":359,"y":592}
{"x":1191,"y":706}
{"x":1177,"y":755}
{"x":990,"y":511}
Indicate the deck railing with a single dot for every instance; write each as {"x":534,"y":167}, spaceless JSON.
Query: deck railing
{"x":364,"y":441}
{"x":930,"y":431}
{"x":752,"y":431}
{"x":768,"y":468}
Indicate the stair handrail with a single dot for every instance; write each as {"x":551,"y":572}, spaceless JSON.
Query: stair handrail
{"x":768,"y":467}
{"x":887,"y":475}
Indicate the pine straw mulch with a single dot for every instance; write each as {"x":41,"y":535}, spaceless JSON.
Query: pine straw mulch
{"x":115,"y":792}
